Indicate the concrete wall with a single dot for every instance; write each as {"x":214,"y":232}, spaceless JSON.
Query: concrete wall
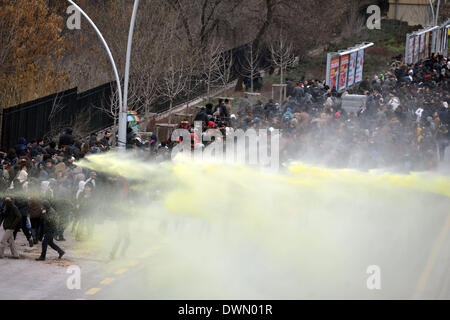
{"x":414,"y":12}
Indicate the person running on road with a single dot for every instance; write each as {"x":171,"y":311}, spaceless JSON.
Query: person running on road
{"x":49,"y":225}
{"x":11,"y":219}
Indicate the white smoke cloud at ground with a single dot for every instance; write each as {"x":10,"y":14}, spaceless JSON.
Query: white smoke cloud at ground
{"x":234,"y":232}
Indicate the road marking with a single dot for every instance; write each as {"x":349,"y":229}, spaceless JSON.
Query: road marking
{"x":121,"y":271}
{"x":107,"y":281}
{"x":92,"y":291}
{"x":133,"y":263}
{"x":432,"y":259}
{"x":150,"y":252}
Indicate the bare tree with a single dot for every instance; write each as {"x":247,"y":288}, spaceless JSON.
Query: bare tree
{"x":79,"y":124}
{"x":210,"y":65}
{"x":283,"y":57}
{"x":149,"y":52}
{"x":201,"y":19}
{"x":224,"y":71}
{"x":57,"y":107}
{"x":193,"y":71}
{"x":251,"y":64}
{"x":174,"y":78}
{"x":111,"y":109}
{"x":355,"y":21}
{"x":173,"y":83}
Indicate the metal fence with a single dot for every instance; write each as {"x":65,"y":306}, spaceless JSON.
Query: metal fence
{"x":38,"y":118}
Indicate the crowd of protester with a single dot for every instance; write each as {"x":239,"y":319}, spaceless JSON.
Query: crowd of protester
{"x":404,"y":124}
{"x":44,"y":191}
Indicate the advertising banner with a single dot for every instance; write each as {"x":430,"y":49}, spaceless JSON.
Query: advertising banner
{"x":352,"y":69}
{"x":334,"y":72}
{"x":359,"y":67}
{"x":437,"y":47}
{"x":444,"y":41}
{"x":416,"y":49}
{"x":343,"y":72}
{"x":422,"y":46}
{"x":427,"y":45}
{"x":409,"y":59}
{"x":447,"y":33}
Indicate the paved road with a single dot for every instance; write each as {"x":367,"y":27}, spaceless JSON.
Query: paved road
{"x":424,"y":274}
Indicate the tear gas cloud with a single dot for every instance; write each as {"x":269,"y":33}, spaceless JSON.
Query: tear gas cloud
{"x":234,"y":232}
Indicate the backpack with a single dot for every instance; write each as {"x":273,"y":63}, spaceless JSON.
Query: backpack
{"x":443,"y":129}
{"x":3,"y":184}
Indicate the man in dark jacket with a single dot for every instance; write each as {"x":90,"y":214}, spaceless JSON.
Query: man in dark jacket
{"x":22,"y":203}
{"x":51,"y":149}
{"x":49,"y":228}
{"x":21,"y":147}
{"x":35,"y":217}
{"x":222,"y":109}
{"x":11,"y":219}
{"x":67,"y":138}
{"x":202,"y":116}
{"x":106,"y":140}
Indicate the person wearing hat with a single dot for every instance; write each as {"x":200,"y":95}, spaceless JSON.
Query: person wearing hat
{"x":66,"y":139}
{"x":21,"y":147}
{"x":92,"y":177}
{"x":211,"y":125}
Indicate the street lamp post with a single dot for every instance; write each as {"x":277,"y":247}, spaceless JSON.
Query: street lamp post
{"x":122,"y":100}
{"x":123,"y":122}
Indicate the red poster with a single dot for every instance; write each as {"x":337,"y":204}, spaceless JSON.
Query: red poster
{"x":343,"y":72}
{"x":334,"y":72}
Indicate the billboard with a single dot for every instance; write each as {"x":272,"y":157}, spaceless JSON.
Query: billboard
{"x":359,"y":67}
{"x":416,"y":49}
{"x":427,"y":45}
{"x":345,"y":68}
{"x":343,"y":72}
{"x":422,"y":46}
{"x":410,"y":50}
{"x":352,"y":69}
{"x":444,"y":41}
{"x":334,"y":72}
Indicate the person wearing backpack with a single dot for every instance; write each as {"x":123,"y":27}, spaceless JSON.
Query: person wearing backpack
{"x":22,"y":203}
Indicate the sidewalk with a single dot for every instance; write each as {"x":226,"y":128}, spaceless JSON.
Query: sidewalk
{"x":29,"y":279}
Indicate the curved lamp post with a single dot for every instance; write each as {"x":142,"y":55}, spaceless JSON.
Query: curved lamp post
{"x":122,"y":100}
{"x":127,"y":64}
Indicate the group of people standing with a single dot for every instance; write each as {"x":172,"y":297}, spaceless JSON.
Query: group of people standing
{"x":43,"y":191}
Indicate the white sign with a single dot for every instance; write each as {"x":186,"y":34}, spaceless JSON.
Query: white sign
{"x":359,"y":67}
{"x":352,"y":68}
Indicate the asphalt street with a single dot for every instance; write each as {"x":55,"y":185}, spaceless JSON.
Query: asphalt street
{"x":423,"y":276}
